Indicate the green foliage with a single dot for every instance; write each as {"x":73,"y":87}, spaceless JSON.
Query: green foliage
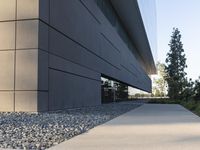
{"x":159,"y":83}
{"x":197,"y":89}
{"x":188,"y":90}
{"x":192,"y":105}
{"x":175,"y":67}
{"x":122,"y":91}
{"x":197,"y":109}
{"x":163,"y":101}
{"x":157,"y":93}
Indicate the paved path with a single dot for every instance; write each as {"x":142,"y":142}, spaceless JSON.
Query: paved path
{"x":149,"y":127}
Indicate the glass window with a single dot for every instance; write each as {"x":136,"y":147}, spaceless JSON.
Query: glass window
{"x":109,"y":12}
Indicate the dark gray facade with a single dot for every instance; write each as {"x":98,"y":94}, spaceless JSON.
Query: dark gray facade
{"x":63,"y":47}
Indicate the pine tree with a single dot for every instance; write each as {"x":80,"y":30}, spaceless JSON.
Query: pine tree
{"x":175,"y":66}
{"x":197,"y":89}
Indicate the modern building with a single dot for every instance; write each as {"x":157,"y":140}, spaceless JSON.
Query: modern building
{"x":53,"y":53}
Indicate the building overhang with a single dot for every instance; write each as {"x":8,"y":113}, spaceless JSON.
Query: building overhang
{"x":130,"y":15}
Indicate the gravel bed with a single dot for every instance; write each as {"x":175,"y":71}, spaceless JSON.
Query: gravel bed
{"x":43,"y":130}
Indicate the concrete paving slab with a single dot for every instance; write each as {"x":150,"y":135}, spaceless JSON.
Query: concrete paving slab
{"x":149,"y":127}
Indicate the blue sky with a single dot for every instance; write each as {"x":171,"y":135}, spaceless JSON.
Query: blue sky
{"x":185,"y":15}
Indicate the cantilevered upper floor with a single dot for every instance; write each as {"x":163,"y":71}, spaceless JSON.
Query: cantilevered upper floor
{"x":54,"y":52}
{"x":139,"y":20}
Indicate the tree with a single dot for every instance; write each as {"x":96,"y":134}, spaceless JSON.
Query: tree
{"x":159,"y":83}
{"x":175,"y":66}
{"x":188,"y":90}
{"x":122,"y":91}
{"x":197,"y":89}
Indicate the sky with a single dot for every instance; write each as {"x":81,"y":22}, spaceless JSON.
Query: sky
{"x":184,"y":15}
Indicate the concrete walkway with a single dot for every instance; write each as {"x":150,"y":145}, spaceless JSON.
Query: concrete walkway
{"x":149,"y":127}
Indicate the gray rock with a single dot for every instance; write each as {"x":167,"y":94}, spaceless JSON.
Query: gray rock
{"x":43,"y":130}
